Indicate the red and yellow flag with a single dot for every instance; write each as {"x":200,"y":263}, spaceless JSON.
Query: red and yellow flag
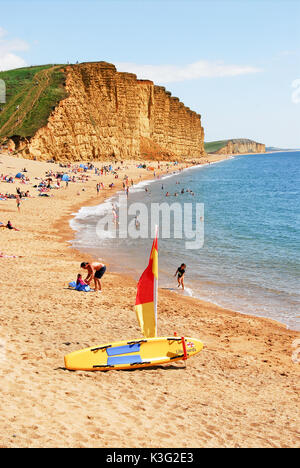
{"x":146,"y":298}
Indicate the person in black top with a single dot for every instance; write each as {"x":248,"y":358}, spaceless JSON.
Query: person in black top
{"x":180,"y":275}
{"x":8,"y":226}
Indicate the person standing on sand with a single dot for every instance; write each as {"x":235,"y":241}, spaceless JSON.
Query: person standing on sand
{"x":18,"y":200}
{"x":95,"y":272}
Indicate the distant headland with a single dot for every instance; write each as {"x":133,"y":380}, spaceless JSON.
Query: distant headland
{"x":234,"y":146}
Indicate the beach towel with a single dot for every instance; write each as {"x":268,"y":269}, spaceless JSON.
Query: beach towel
{"x":79,"y":287}
{"x":8,"y":256}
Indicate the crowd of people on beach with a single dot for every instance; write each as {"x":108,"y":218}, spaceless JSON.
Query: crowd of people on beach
{"x":81,"y":174}
{"x":96,"y":270}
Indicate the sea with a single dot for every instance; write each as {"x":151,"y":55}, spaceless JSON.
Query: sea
{"x":248,"y":259}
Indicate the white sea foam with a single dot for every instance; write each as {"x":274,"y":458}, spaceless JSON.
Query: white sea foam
{"x":106,"y":206}
{"x":188,"y":292}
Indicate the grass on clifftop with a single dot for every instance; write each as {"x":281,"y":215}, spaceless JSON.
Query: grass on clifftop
{"x":213,"y":146}
{"x":31,"y":95}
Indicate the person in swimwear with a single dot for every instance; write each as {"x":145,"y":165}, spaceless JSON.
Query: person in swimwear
{"x":180,"y":275}
{"x":137,"y":223}
{"x":18,"y":200}
{"x":95,"y":272}
{"x":8,"y":226}
{"x":115,"y":214}
{"x":80,"y":281}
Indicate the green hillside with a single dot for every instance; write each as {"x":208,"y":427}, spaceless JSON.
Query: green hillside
{"x":31,"y":95}
{"x":213,"y":146}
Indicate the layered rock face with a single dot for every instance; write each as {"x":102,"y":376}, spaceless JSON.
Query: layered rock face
{"x":241,"y":146}
{"x":111,"y":114}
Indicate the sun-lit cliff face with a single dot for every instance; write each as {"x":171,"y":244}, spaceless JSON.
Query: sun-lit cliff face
{"x":234,"y":146}
{"x":110,"y":114}
{"x":240,"y":146}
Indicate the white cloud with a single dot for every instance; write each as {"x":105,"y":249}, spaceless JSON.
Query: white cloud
{"x":192,"y":71}
{"x":8,"y":58}
{"x":2,"y":32}
{"x":288,"y":52}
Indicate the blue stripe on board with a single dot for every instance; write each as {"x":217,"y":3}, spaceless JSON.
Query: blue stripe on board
{"x":123,"y":349}
{"x":116,"y":360}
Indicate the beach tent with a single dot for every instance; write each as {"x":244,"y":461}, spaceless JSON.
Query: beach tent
{"x":20,"y":176}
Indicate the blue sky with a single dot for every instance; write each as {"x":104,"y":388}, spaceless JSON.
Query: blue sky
{"x":236,"y":63}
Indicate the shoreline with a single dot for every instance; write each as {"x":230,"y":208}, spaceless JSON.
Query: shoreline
{"x":68,"y":236}
{"x":241,"y":390}
{"x":67,"y":233}
{"x":106,"y":260}
{"x":249,"y":154}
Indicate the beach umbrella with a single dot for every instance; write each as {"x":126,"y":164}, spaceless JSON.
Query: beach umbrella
{"x":65,"y":178}
{"x":19,"y":175}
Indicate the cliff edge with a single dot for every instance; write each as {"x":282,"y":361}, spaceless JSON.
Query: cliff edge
{"x":234,"y":146}
{"x":106,"y":114}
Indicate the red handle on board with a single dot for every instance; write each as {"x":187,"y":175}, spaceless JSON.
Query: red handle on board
{"x":185,"y":356}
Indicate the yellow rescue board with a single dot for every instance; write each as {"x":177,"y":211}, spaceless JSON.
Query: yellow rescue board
{"x":133,"y":354}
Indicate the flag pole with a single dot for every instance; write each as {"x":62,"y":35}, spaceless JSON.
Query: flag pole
{"x":156,"y":287}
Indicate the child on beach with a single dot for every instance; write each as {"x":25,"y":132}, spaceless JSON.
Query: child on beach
{"x":80,"y":281}
{"x":180,"y":275}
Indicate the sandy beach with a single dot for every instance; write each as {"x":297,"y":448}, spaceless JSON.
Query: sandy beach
{"x":242,"y":390}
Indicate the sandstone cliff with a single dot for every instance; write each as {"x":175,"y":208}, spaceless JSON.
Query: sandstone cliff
{"x":235,"y":146}
{"x":110,"y":114}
